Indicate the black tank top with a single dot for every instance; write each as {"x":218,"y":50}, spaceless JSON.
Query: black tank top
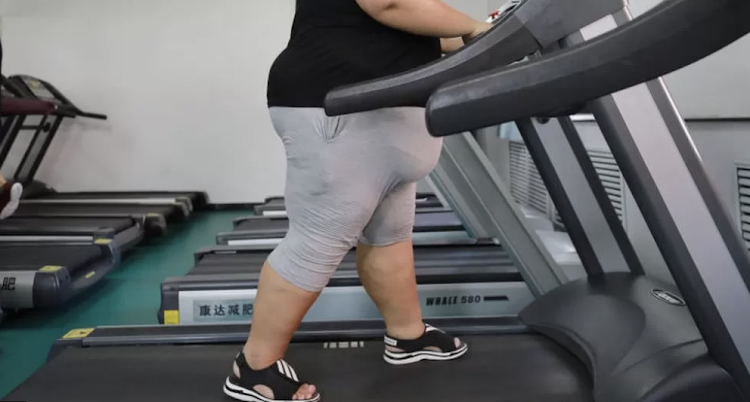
{"x":335,"y":43}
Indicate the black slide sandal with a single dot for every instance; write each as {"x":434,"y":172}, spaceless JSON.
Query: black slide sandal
{"x":280,"y":378}
{"x":414,"y":351}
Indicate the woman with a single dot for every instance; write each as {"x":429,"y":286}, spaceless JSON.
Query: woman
{"x":351,"y":181}
{"x":10,"y":196}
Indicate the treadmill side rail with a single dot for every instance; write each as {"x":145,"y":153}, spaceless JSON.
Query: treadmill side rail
{"x":307,"y":332}
{"x":336,"y":303}
{"x":51,"y":286}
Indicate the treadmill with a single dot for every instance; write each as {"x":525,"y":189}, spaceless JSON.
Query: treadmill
{"x":176,"y":206}
{"x":275,"y":206}
{"x":430,"y":226}
{"x":437,"y":225}
{"x":152,"y":219}
{"x":44,"y":263}
{"x":50,"y":274}
{"x":612,"y":337}
{"x":454,"y":281}
{"x":125,"y":231}
{"x":471,"y":278}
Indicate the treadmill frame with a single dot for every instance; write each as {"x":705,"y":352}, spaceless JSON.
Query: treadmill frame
{"x":124,"y":240}
{"x":51,"y":286}
{"x":45,"y":133}
{"x":483,"y":289}
{"x":154,"y":224}
{"x":694,"y":231}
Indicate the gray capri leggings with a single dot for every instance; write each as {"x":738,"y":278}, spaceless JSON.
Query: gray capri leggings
{"x":349,"y":178}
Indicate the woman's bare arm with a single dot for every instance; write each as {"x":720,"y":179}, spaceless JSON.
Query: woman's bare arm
{"x":424,"y":17}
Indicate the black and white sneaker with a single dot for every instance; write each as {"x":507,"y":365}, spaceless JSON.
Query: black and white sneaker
{"x":280,"y":378}
{"x":435,"y":345}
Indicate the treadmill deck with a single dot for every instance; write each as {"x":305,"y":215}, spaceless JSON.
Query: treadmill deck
{"x":60,"y":222}
{"x":509,"y":368}
{"x":25,"y":210}
{"x":32,"y":258}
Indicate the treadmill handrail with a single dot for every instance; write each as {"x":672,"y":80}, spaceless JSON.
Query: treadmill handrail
{"x":674,"y":34}
{"x":65,"y":107}
{"x":532,"y":25}
{"x":26,"y":107}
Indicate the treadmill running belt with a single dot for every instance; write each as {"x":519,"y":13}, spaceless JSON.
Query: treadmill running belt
{"x":35,"y":257}
{"x":117,"y":224}
{"x":511,"y":368}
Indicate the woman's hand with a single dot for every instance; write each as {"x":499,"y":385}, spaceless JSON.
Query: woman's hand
{"x":480,"y":28}
{"x":423,"y":17}
{"x":451,"y":45}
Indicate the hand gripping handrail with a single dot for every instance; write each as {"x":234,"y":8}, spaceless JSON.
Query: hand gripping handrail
{"x":672,"y":35}
{"x":529,"y":27}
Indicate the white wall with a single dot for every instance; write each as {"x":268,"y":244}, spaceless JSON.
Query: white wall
{"x":721,"y":144}
{"x":715,"y":87}
{"x":183,"y":82}
{"x":475,"y":8}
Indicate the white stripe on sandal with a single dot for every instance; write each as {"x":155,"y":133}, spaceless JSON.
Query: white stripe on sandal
{"x":403,"y":358}
{"x":249,"y":395}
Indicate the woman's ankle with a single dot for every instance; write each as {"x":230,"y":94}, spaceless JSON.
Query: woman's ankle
{"x":406,"y":332}
{"x":258,"y":359}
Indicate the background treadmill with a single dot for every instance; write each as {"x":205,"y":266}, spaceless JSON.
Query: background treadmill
{"x":454,"y":281}
{"x":153,"y":216}
{"x":46,"y":262}
{"x":182,"y":203}
{"x":437,"y":225}
{"x":431,"y":225}
{"x":275,"y":206}
{"x":126,"y":232}
{"x":50,"y":274}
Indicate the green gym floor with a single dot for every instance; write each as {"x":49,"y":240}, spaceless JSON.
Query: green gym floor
{"x":128,"y":296}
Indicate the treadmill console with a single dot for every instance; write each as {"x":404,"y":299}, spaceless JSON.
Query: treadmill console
{"x":505,"y":9}
{"x":40,"y":91}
